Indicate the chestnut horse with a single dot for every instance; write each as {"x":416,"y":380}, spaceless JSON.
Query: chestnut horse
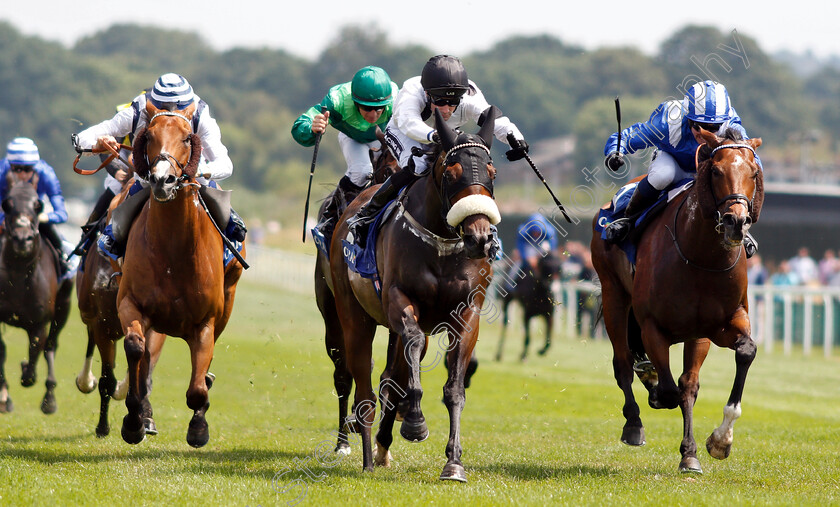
{"x":690,"y":285}
{"x":174,"y":281}
{"x":32,"y":297}
{"x":383,"y":166}
{"x":432,"y":259}
{"x":96,"y":291}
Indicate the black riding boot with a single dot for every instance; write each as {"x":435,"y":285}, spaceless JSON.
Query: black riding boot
{"x":643,"y":196}
{"x":50,"y":233}
{"x":99,"y":209}
{"x":387,"y":192}
{"x":340,"y":198}
{"x":235,"y":229}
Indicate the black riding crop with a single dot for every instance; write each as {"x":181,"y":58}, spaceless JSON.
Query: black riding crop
{"x":311,"y":174}
{"x":513,"y":143}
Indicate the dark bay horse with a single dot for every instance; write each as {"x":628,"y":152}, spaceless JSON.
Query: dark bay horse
{"x":533,"y":293}
{"x":432,"y":259}
{"x":96,"y":291}
{"x":383,"y":166}
{"x":174,"y":281}
{"x":690,"y":286}
{"x":32,"y":297}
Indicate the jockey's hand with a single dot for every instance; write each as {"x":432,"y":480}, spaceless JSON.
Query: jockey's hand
{"x":434,"y":137}
{"x":319,"y":123}
{"x":121,"y":175}
{"x":103,"y":142}
{"x":614,"y":161}
{"x":518,"y":150}
{"x":43,"y":217}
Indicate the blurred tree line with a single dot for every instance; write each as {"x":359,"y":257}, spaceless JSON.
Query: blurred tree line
{"x":549,"y":88}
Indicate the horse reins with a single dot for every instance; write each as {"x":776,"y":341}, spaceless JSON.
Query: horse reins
{"x":735,"y":198}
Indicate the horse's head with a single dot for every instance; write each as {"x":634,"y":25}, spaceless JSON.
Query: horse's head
{"x":548,"y":268}
{"x":22,"y":207}
{"x":464,"y":174}
{"x":730,"y":183}
{"x":166,"y":152}
{"x":384,"y":163}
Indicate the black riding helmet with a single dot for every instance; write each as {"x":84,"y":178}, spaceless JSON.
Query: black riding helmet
{"x":444,"y":76}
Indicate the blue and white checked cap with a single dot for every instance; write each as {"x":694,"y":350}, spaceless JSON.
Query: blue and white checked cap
{"x":707,"y":102}
{"x":172,"y":88}
{"x":22,"y":151}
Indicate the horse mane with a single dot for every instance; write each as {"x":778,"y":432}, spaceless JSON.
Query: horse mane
{"x":141,"y":163}
{"x":703,"y":180}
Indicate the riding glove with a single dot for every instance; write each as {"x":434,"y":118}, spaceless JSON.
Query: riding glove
{"x":614,"y":161}
{"x":518,"y":151}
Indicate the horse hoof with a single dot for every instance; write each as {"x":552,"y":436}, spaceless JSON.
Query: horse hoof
{"x":86,"y":385}
{"x":149,"y":424}
{"x":103,"y":430}
{"x":543,"y":351}
{"x":208,"y":380}
{"x":132,"y":436}
{"x":6,"y":406}
{"x":343,"y":449}
{"x":633,"y":436}
{"x":48,"y":405}
{"x":717,"y":451}
{"x":27,"y":375}
{"x":198,"y":434}
{"x":690,"y":465}
{"x":382,"y":458}
{"x":453,"y":472}
{"x":414,"y":430}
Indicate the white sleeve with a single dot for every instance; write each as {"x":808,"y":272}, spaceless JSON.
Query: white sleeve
{"x":119,"y":126}
{"x":214,"y":155}
{"x":408,"y":108}
{"x":476,"y":104}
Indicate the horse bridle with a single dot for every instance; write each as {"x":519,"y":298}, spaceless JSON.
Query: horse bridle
{"x":460,"y":184}
{"x":164,"y":155}
{"x":734,"y":198}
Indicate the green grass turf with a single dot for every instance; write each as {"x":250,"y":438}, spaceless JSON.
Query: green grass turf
{"x":536,"y":433}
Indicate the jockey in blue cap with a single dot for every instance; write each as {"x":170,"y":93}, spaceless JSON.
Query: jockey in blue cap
{"x":171,"y":92}
{"x":673,"y":129}
{"x":24,"y":162}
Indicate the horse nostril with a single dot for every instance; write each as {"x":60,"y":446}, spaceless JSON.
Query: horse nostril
{"x":170,"y":179}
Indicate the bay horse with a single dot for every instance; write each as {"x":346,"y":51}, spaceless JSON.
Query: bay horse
{"x":690,"y":286}
{"x":533,"y":293}
{"x":174,"y":281}
{"x":432,"y":260}
{"x":383,"y":166}
{"x":32,"y":296}
{"x":96,"y":291}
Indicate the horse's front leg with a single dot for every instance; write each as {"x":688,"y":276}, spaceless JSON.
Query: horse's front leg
{"x":6,"y":404}
{"x":666,"y":394}
{"x":737,"y":337}
{"x":133,"y":431}
{"x":693,"y":357}
{"x":48,"y":405}
{"x":201,"y":354}
{"x":462,"y":342}
{"x":392,"y":391}
{"x":154,"y":345}
{"x":85,"y":380}
{"x":37,"y":342}
{"x":402,"y":316}
{"x":549,"y":322}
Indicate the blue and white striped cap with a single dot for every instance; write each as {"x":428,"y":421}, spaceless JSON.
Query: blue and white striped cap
{"x":707,"y":102}
{"x":172,"y":88}
{"x":22,"y":151}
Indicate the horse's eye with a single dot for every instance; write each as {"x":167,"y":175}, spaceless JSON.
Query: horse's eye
{"x":716,"y":171}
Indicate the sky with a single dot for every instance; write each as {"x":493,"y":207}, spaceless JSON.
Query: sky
{"x":455,"y":27}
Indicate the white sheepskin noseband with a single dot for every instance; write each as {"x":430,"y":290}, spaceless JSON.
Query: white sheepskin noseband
{"x":475,"y":204}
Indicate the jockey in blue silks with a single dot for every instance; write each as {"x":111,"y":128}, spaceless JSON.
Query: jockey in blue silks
{"x":24,"y":162}
{"x":671,"y":129}
{"x":535,"y":237}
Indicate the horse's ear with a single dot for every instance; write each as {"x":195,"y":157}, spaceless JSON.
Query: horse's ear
{"x":446,"y":134}
{"x":39,"y":206}
{"x":151,"y":110}
{"x":487,"y":123}
{"x":7,"y":206}
{"x":710,"y":138}
{"x":141,"y":165}
{"x":755,"y":143}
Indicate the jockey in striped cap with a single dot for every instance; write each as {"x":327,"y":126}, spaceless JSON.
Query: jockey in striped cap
{"x":673,"y":131}
{"x":170,"y":92}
